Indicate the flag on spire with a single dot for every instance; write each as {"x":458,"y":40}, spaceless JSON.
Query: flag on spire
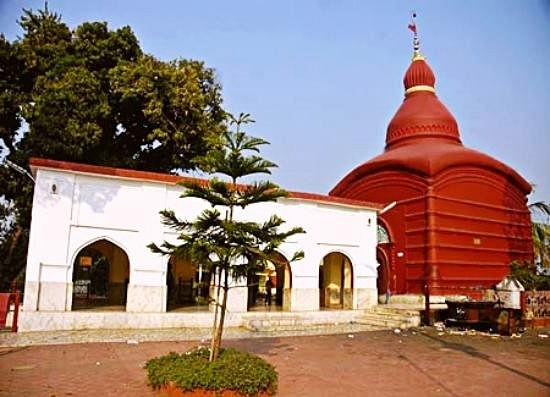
{"x":412,"y":25}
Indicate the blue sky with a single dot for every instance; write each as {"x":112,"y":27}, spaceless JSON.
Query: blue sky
{"x":323,"y":78}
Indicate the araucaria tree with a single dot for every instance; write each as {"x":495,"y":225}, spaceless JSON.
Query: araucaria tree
{"x":221,"y":238}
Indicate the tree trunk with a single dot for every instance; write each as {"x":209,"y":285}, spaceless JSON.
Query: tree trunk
{"x":217,"y":340}
{"x":217,"y":285}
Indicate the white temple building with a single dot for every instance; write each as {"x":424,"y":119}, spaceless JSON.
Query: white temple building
{"x":89,"y":267}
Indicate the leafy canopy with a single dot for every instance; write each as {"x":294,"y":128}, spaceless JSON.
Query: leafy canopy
{"x":91,"y":95}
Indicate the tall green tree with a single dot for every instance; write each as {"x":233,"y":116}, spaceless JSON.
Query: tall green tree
{"x":91,"y":95}
{"x":228,"y":246}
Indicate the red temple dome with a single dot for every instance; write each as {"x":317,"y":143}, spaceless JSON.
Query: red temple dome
{"x":421,"y":115}
{"x":419,"y":76}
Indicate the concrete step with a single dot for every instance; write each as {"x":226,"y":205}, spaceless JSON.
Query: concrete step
{"x":270,"y":324}
{"x":292,"y":321}
{"x":415,"y":299}
{"x":408,"y":299}
{"x":390,"y":317}
{"x":382,"y":316}
{"x":388,"y":322}
{"x":399,"y":310}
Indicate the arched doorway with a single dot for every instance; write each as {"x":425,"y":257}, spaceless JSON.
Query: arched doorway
{"x":101,"y":272}
{"x":336,"y":282}
{"x":270,"y":288}
{"x":383,"y":280}
{"x":188,"y":285}
{"x":383,"y":257}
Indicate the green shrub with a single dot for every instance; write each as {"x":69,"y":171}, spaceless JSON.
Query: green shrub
{"x":233,"y":370}
{"x":526,"y":274}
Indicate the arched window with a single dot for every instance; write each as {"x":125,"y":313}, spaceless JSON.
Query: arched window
{"x":383,"y":236}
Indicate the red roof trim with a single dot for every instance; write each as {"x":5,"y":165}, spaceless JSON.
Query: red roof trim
{"x":334,"y":200}
{"x":167,"y":178}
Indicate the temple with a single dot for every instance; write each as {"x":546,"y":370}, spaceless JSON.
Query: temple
{"x":427,"y":216}
{"x":459,"y":216}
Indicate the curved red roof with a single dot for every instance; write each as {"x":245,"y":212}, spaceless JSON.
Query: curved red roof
{"x":427,"y":158}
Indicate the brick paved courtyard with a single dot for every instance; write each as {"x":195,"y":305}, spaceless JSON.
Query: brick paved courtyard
{"x":374,"y":363}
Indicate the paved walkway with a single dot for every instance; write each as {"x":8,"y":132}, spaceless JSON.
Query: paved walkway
{"x":352,"y":362}
{"x":132,"y":336}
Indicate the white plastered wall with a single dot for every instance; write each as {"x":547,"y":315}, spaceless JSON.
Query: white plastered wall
{"x":89,"y":207}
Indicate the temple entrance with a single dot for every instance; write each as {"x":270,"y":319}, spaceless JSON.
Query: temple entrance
{"x":336,"y":282}
{"x":270,"y":289}
{"x":383,"y":280}
{"x":188,"y":285}
{"x":383,"y":257}
{"x":100,"y":277}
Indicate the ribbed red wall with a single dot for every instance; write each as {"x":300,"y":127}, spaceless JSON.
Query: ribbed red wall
{"x":481,"y":224}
